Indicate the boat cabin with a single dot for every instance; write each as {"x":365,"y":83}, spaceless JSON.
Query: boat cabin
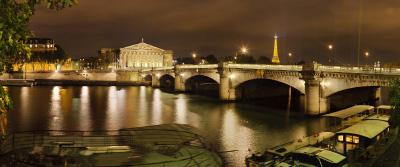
{"x":383,"y":110}
{"x":361,"y":135}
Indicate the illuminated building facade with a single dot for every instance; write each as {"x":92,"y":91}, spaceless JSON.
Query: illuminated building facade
{"x":40,"y":46}
{"x":143,"y":55}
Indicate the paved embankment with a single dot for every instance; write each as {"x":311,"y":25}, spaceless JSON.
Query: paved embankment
{"x":54,"y":82}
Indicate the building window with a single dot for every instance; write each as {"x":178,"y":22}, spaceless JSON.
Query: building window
{"x":356,"y":139}
{"x":340,"y":137}
{"x":349,"y":138}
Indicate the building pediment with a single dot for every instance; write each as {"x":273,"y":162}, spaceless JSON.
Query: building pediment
{"x":142,"y":47}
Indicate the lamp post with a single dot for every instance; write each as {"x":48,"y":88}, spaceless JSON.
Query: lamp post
{"x":290,"y":58}
{"x":366,"y":58}
{"x":330,"y":53}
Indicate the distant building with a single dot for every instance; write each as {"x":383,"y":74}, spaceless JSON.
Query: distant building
{"x":41,"y":44}
{"x":275,"y":58}
{"x":143,"y":55}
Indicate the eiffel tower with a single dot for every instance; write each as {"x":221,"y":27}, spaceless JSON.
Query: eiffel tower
{"x":275,"y":58}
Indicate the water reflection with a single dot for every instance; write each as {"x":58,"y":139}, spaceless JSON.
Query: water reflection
{"x":142,"y":107}
{"x":157,"y":114}
{"x":229,"y":126}
{"x":85,"y":120}
{"x":56,"y":112}
{"x":25,"y":114}
{"x":180,"y":110}
{"x":115,"y":108}
{"x":232,"y":130}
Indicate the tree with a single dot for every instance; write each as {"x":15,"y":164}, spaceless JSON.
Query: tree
{"x":211,"y":59}
{"x":244,"y":59}
{"x":227,"y":59}
{"x":391,"y":65}
{"x":14,"y":31}
{"x":301,"y":62}
{"x":264,"y":60}
{"x":394,"y":94}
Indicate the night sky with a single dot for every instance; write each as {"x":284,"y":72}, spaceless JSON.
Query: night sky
{"x":221,"y":27}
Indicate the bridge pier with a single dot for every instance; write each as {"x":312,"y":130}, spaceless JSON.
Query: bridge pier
{"x":383,"y":95}
{"x":155,"y":81}
{"x":179,"y":85}
{"x":315,"y":104}
{"x":226,"y":93}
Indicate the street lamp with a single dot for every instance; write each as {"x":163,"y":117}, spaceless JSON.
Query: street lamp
{"x":290,"y":57}
{"x":244,"y":50}
{"x":330,"y":53}
{"x":194,"y":58}
{"x":366,"y":58}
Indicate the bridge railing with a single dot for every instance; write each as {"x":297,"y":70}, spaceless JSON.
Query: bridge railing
{"x":198,"y":66}
{"x":365,"y":70}
{"x":267,"y":67}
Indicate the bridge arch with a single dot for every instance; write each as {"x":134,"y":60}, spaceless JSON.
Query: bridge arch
{"x":201,"y":84}
{"x":294,"y":82}
{"x":148,"y":78}
{"x":167,"y":81}
{"x":330,"y":86}
{"x":261,"y":88}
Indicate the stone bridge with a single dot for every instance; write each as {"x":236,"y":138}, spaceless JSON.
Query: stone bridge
{"x":316,"y":82}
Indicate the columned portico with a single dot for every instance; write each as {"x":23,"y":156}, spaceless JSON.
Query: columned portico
{"x":143,"y":55}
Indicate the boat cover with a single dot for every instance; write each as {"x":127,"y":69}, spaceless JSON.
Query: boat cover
{"x":386,"y":107}
{"x":367,"y":128}
{"x":349,"y":111}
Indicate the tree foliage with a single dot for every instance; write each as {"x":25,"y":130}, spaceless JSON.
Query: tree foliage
{"x":14,"y":31}
{"x":245,"y":59}
{"x":394,"y":94}
{"x":264,"y":60}
{"x":211,"y":59}
{"x":391,"y":65}
{"x":56,"y":56}
{"x":14,"y":28}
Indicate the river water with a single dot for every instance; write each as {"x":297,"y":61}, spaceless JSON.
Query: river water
{"x":233,"y":126}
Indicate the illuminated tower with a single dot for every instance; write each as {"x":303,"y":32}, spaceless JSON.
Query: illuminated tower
{"x":275,"y":58}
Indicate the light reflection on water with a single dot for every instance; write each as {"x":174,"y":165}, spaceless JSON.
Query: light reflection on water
{"x":229,"y":126}
{"x":85,"y":120}
{"x":56,"y":112}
